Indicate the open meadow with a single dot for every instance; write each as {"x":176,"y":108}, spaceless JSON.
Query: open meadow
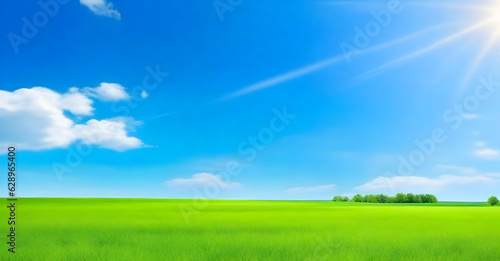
{"x":156,"y":229}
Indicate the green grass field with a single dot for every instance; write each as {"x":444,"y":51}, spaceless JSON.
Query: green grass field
{"x":149,"y":229}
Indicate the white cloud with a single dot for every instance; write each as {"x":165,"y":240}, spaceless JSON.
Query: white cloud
{"x":487,"y":153}
{"x":109,"y":134}
{"x":311,"y":189}
{"x":480,"y":143}
{"x":107,"y":92}
{"x":470,"y":116}
{"x":101,"y":7}
{"x":144,"y":94}
{"x":40,"y":119}
{"x":417,"y":183}
{"x":467,"y":171}
{"x":458,"y":169}
{"x":201,"y":180}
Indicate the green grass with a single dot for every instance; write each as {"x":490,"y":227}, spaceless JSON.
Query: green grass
{"x":149,"y":229}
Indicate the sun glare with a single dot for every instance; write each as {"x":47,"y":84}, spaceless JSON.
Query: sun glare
{"x":494,"y":16}
{"x":494,"y":11}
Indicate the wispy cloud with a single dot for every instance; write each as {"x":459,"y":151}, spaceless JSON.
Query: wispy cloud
{"x":458,"y":169}
{"x":480,"y":143}
{"x":311,"y":189}
{"x":102,"y":7}
{"x":455,"y":175}
{"x":470,"y":116}
{"x":201,"y":180}
{"x":466,"y":171}
{"x":418,"y":183}
{"x":163,"y":115}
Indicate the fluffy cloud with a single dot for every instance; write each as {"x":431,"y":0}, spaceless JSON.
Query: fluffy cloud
{"x":201,"y":180}
{"x":101,"y":7}
{"x":108,"y":134}
{"x":107,"y":92}
{"x":39,"y":119}
{"x":487,"y":153}
{"x":311,"y":189}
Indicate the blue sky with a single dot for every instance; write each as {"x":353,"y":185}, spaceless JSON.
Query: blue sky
{"x":183,"y":88}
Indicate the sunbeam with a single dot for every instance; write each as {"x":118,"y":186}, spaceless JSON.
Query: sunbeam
{"x":406,"y":38}
{"x":422,"y":51}
{"x":283,"y":78}
{"x":322,"y":64}
{"x":451,"y":6}
{"x":475,"y":63}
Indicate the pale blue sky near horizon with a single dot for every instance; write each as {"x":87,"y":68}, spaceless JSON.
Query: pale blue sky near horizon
{"x":264,"y":87}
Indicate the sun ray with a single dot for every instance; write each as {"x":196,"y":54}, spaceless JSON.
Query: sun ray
{"x":422,"y":51}
{"x":450,"y":6}
{"x":406,"y":38}
{"x":283,"y":78}
{"x":475,"y":63}
{"x":322,"y":64}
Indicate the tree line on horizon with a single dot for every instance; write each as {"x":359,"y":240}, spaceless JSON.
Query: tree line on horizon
{"x":382,"y":198}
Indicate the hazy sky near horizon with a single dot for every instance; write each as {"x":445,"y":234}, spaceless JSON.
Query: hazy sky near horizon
{"x":251,"y":99}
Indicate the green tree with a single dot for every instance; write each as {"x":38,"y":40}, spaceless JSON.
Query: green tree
{"x":493,"y":201}
{"x":400,"y":198}
{"x":337,"y":198}
{"x":429,"y":198}
{"x":357,"y":198}
{"x":433,"y":199}
{"x":418,"y":198}
{"x":381,"y":198}
{"x":372,"y":199}
{"x":410,"y":198}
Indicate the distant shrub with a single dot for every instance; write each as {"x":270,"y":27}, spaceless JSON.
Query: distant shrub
{"x":493,"y":201}
{"x":337,"y":198}
{"x":418,"y":198}
{"x":357,"y":198}
{"x":399,"y":198}
{"x":381,"y":198}
{"x":410,"y":198}
{"x":372,"y":199}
